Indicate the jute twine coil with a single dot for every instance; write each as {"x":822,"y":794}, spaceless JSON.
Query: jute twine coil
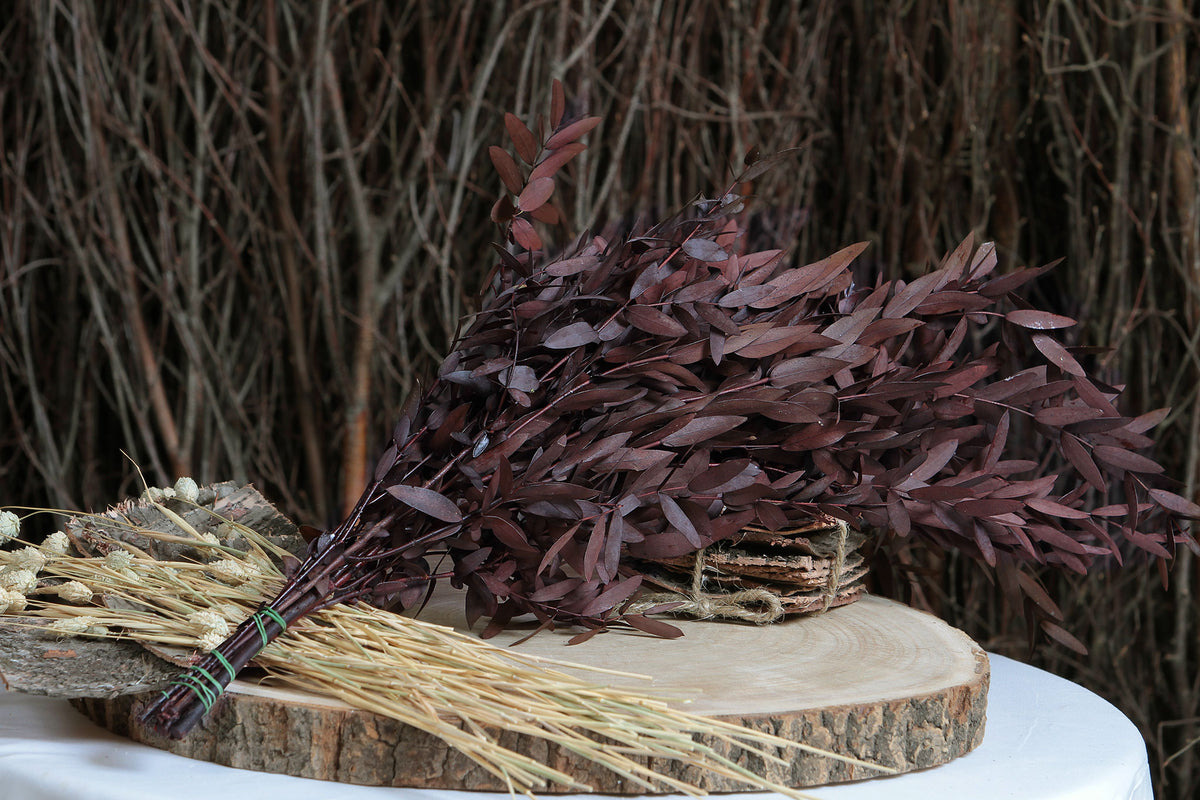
{"x":839,"y":564}
{"x":759,"y":606}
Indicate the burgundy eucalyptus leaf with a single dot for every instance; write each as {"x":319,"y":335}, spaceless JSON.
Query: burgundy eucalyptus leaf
{"x":577,"y":334}
{"x":775,"y":340}
{"x":570,"y":133}
{"x":535,"y":194}
{"x":988,"y":507}
{"x":1123,"y":459}
{"x":718,"y":475}
{"x":756,"y":296}
{"x":1055,"y":509}
{"x":586,"y":636}
{"x":613,"y":596}
{"x":522,"y":138}
{"x":524,"y":234}
{"x":702,"y":429}
{"x":704,"y":250}
{"x":555,"y":160}
{"x":427,"y":501}
{"x":1038,"y":320}
{"x":547,"y":214}
{"x":955,"y":264}
{"x":571,"y":266}
{"x":811,"y":278}
{"x":1063,"y":637}
{"x":911,"y":296}
{"x":760,"y":260}
{"x":652,"y":626}
{"x":508,"y":533}
{"x":951,"y":302}
{"x":653,"y":321}
{"x":558,"y":103}
{"x":1058,"y":355}
{"x":679,"y":520}
{"x":984,"y":262}
{"x":503,"y":211}
{"x":983,"y":541}
{"x":1059,"y":416}
{"x":1146,"y":421}
{"x":520,"y":377}
{"x":941,"y":493}
{"x":507,"y":169}
{"x":556,"y":590}
{"x":881,"y":330}
{"x":1175,"y":503}
{"x":805,"y":370}
{"x":634,"y":459}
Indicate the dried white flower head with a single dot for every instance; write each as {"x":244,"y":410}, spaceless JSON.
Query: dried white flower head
{"x":120,"y":560}
{"x":75,"y":592}
{"x":11,"y":602}
{"x":234,"y":571}
{"x":30,"y":558}
{"x":57,"y":544}
{"x":18,"y":580}
{"x":10,"y":526}
{"x":209,"y":538}
{"x":209,"y":641}
{"x":210,"y":621}
{"x":186,"y":489}
{"x":74,"y":626}
{"x":154,"y":494}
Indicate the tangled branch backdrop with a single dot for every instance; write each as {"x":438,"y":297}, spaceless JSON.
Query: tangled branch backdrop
{"x":237,"y":235}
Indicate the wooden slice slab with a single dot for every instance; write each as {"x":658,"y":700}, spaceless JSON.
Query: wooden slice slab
{"x":874,"y":679}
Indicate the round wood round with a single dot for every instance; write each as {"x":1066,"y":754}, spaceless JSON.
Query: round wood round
{"x":875,"y":680}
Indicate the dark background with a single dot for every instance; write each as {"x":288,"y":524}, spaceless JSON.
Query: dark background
{"x":234,"y":236}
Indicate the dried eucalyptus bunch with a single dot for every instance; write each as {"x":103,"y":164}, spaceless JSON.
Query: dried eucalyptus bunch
{"x":634,"y":400}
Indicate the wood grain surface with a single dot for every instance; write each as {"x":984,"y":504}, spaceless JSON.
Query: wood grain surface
{"x":874,"y":679}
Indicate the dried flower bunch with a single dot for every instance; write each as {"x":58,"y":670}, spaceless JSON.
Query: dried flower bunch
{"x":157,"y":572}
{"x":643,"y":399}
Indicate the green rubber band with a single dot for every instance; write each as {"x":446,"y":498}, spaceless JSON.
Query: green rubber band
{"x":208,"y":693}
{"x":209,"y":697}
{"x":217,"y":685}
{"x":275,"y":615}
{"x":224,"y":663}
{"x":200,"y":690}
{"x":262,"y":629}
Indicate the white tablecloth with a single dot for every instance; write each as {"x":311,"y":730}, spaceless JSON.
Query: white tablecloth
{"x":1046,"y":739}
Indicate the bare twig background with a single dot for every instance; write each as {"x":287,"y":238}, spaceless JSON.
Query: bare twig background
{"x":236,"y":234}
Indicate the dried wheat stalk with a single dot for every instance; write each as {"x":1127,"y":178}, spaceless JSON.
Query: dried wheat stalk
{"x":451,"y":685}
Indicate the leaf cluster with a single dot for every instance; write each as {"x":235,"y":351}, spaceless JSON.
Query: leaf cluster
{"x":651,"y":396}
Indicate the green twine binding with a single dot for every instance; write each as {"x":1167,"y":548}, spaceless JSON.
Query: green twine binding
{"x":208,"y":697}
{"x":200,"y":688}
{"x":275,"y":615}
{"x":189,"y":681}
{"x":217,"y":685}
{"x":262,"y":629}
{"x":224,"y":663}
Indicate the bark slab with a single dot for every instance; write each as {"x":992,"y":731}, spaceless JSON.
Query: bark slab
{"x":875,"y":679}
